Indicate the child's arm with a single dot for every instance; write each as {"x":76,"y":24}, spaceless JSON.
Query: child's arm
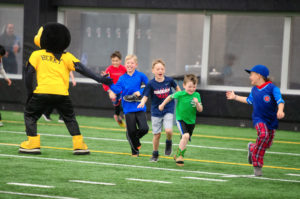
{"x":198,"y":105}
{"x":232,"y":96}
{"x":72,"y":78}
{"x":178,"y":88}
{"x":163,"y":104}
{"x":143,"y":102}
{"x":280,"y":113}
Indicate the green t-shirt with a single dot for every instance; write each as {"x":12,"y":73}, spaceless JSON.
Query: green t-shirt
{"x":186,"y":108}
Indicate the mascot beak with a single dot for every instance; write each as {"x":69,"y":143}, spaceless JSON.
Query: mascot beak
{"x":37,"y":38}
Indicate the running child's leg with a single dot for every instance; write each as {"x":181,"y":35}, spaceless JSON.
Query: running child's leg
{"x":168,"y":124}
{"x":131,"y":133}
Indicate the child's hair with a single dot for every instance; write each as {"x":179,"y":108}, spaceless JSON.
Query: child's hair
{"x":267,"y":79}
{"x":116,"y":54}
{"x":158,"y":61}
{"x":190,"y":78}
{"x":132,"y":56}
{"x":2,"y":51}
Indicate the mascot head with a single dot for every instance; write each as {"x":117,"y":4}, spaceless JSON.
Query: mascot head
{"x":54,"y":37}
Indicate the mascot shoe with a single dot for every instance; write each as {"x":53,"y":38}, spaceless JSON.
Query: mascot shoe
{"x":79,"y":147}
{"x":32,"y":145}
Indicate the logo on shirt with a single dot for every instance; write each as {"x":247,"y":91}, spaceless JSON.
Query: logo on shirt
{"x":267,"y":98}
{"x":162,"y":93}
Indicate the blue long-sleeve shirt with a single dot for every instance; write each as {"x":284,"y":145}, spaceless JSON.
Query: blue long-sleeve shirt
{"x":128,"y":85}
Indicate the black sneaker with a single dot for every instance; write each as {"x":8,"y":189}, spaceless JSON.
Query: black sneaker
{"x":132,"y":98}
{"x":249,"y":153}
{"x":168,"y":149}
{"x":153,"y":159}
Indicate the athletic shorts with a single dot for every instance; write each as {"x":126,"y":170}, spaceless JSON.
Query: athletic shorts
{"x":158,"y":122}
{"x":185,"y":128}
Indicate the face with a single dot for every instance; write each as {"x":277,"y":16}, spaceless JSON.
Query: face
{"x":254,"y":78}
{"x":158,"y":71}
{"x":116,"y":62}
{"x":130,"y":65}
{"x":190,"y":87}
{"x":10,"y":29}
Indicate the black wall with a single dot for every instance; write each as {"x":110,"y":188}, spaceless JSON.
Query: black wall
{"x":90,"y":99}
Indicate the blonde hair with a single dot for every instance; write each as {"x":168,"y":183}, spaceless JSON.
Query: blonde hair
{"x":132,"y":56}
{"x":158,"y":61}
{"x":190,"y":78}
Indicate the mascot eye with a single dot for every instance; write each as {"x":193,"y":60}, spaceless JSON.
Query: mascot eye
{"x":37,"y":38}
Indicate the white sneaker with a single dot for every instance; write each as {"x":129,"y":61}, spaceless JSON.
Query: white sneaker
{"x":1,"y":124}
{"x":60,"y":121}
{"x":257,"y":171}
{"x":47,"y":119}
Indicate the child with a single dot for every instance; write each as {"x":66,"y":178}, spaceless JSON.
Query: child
{"x":3,"y":73}
{"x":115,"y":71}
{"x":268,"y":105}
{"x":188,"y":103}
{"x":159,"y":88}
{"x":129,"y":84}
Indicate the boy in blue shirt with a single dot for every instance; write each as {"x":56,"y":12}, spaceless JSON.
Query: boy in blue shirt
{"x":130,"y":85}
{"x":268,"y":106}
{"x":159,"y":88}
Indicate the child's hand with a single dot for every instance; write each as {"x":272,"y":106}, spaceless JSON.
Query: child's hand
{"x":8,"y":82}
{"x":280,"y":114}
{"x":161,"y":107}
{"x":230,"y":95}
{"x":103,"y":73}
{"x":112,"y":95}
{"x":137,"y":93}
{"x":141,"y":105}
{"x":195,"y":100}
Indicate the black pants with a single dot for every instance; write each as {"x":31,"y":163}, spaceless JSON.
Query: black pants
{"x":38,"y":104}
{"x":137,"y":127}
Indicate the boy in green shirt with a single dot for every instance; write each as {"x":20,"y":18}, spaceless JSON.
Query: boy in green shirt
{"x":188,"y":103}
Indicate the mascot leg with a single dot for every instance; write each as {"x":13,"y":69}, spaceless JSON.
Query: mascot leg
{"x":32,"y":145}
{"x":79,"y":147}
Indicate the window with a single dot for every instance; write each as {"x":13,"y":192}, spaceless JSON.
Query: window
{"x":294,"y":70}
{"x":11,"y":37}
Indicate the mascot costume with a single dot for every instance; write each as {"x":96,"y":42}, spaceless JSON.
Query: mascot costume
{"x":47,"y":80}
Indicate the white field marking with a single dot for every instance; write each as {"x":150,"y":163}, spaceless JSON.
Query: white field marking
{"x":29,"y":185}
{"x":113,"y":164}
{"x":144,"y":167}
{"x":293,"y":174}
{"x":144,"y":180}
{"x":35,"y":195}
{"x":260,"y":178}
{"x":207,"y":179}
{"x":91,"y":182}
{"x":147,"y":142}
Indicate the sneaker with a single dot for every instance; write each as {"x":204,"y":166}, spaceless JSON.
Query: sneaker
{"x":153,"y":159}
{"x":132,"y":98}
{"x":257,"y":171}
{"x":1,"y":124}
{"x":249,"y":153}
{"x":179,"y":161}
{"x":47,"y":118}
{"x":168,"y":149}
{"x":119,"y":120}
{"x":135,"y":154}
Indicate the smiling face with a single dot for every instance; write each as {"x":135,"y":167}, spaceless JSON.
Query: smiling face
{"x":255,"y":79}
{"x":130,"y":65}
{"x":190,"y":87}
{"x":116,"y":62}
{"x":159,"y":71}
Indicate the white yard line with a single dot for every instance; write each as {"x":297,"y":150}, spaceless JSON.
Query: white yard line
{"x":261,"y":178}
{"x":29,"y":185}
{"x":91,"y":182}
{"x":144,"y":180}
{"x":147,"y":142}
{"x":293,"y":174}
{"x":206,"y":179}
{"x":145,"y":167}
{"x":35,"y":195}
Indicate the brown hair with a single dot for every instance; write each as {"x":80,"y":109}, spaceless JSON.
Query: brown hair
{"x":116,"y":54}
{"x":158,"y":61}
{"x":190,"y":78}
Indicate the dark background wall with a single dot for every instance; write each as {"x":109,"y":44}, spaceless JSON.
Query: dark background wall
{"x":90,"y":99}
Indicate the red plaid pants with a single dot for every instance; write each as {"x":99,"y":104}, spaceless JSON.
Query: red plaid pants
{"x":263,"y":142}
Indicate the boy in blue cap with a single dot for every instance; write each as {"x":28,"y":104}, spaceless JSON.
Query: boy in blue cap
{"x":268,"y":106}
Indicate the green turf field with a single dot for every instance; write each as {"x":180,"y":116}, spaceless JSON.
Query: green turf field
{"x":215,"y":164}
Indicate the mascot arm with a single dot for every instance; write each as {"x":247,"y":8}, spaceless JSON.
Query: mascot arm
{"x":82,"y":69}
{"x":30,"y":79}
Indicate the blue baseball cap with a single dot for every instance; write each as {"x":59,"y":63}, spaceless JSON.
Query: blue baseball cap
{"x":260,"y":69}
